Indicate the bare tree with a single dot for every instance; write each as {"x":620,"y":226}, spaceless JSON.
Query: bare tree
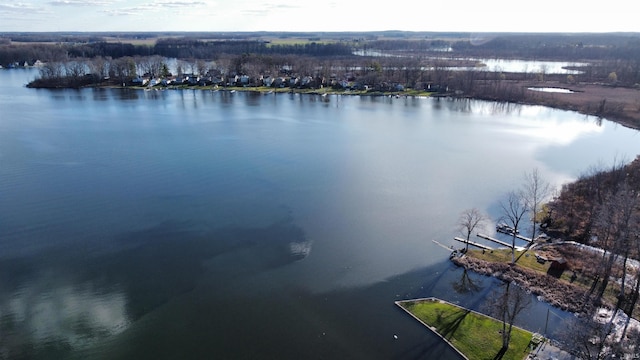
{"x":180,"y":66}
{"x":506,"y":305}
{"x":469,"y":220}
{"x":99,"y":66}
{"x":635,"y":293}
{"x":514,"y":207}
{"x":627,"y":233}
{"x":536,"y":191}
{"x":52,"y":70}
{"x":617,"y":229}
{"x":123,"y":68}
{"x":76,"y":68}
{"x":202,"y":66}
{"x":154,"y":65}
{"x":585,"y":337}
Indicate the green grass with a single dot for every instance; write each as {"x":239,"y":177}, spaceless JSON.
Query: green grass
{"x":477,"y":336}
{"x":528,"y":260}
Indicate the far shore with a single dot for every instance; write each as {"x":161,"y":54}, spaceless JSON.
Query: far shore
{"x":617,"y":104}
{"x":284,"y":90}
{"x":614,"y":103}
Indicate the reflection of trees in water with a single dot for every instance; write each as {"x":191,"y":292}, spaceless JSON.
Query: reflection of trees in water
{"x":465,"y":284}
{"x":467,"y":105}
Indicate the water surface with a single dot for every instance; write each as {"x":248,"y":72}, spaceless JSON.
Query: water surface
{"x":199,"y":224}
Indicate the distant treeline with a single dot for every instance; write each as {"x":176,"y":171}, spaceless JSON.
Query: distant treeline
{"x":561,"y":47}
{"x":28,"y":47}
{"x":171,"y":48}
{"x":185,"y":48}
{"x":408,"y":61}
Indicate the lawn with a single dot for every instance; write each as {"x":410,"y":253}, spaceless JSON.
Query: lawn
{"x":475,"y":335}
{"x":527,"y":260}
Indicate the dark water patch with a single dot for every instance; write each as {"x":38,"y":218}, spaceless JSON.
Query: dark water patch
{"x":290,"y":322}
{"x":170,"y":259}
{"x":70,"y":299}
{"x":172,"y":292}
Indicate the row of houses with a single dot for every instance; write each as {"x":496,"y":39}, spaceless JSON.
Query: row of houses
{"x":233,"y":80}
{"x":26,"y":64}
{"x":303,"y":82}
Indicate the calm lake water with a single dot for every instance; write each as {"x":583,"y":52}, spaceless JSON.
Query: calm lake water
{"x":198,"y":224}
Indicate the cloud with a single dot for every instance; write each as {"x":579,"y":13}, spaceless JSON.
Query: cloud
{"x":178,"y":4}
{"x":22,"y":13}
{"x":120,"y":12}
{"x":17,"y":7}
{"x":132,"y":11}
{"x":266,"y":9}
{"x":79,"y":3}
{"x":153,"y":7}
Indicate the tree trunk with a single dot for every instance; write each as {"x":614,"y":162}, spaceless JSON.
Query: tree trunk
{"x":606,"y":275}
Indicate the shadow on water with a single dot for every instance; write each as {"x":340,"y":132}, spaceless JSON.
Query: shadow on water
{"x":255,"y":316}
{"x":172,"y":292}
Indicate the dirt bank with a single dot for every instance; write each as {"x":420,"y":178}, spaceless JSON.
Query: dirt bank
{"x":560,"y":294}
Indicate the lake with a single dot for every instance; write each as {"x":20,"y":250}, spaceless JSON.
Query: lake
{"x":498,"y":65}
{"x":201,"y":224}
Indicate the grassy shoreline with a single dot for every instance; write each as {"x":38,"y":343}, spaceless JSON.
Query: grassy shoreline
{"x":471,"y":334}
{"x":286,"y":90}
{"x":567,"y":290}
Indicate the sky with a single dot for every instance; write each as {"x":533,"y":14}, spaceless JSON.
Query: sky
{"x":318,"y":15}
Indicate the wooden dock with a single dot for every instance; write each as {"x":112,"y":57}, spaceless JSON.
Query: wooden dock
{"x":443,"y":246}
{"x":524,"y":238}
{"x":487,"y":237}
{"x":473,"y":243}
{"x":508,"y":230}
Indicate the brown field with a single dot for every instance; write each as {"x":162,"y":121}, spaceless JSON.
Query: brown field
{"x":622,"y":105}
{"x":147,"y":41}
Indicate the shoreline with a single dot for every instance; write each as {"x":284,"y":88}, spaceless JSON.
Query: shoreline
{"x":619,"y":105}
{"x":267,"y":90}
{"x":559,"y":294}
